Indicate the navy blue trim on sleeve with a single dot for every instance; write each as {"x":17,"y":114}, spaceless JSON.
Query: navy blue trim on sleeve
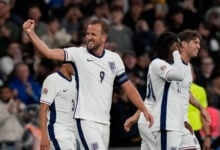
{"x":122,"y":78}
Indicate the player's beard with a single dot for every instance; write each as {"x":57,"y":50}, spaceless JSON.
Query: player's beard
{"x":92,"y":47}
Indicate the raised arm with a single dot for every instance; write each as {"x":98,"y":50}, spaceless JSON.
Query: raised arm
{"x":177,"y":72}
{"x":136,"y":99}
{"x":55,"y":54}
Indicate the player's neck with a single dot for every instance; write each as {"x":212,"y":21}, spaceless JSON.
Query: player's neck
{"x":98,"y":52}
{"x":185,"y":58}
{"x":66,"y":73}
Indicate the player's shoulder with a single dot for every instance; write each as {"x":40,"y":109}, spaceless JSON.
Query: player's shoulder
{"x":157,"y":61}
{"x":74,"y":48}
{"x":51,"y":77}
{"x":112,"y":54}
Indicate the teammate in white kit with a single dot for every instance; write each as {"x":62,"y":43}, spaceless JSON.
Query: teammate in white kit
{"x":178,"y":98}
{"x":163,"y":97}
{"x":164,"y":75}
{"x":95,"y":69}
{"x":56,"y":110}
{"x":189,"y":47}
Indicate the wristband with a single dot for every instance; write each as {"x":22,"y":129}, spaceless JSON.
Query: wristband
{"x":208,"y":136}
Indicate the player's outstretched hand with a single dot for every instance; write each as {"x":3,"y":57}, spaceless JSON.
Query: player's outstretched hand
{"x":149,"y":118}
{"x":29,"y":25}
{"x":188,"y":126}
{"x":131,"y":120}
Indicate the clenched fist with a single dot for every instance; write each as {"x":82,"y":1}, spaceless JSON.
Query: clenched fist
{"x":29,"y":25}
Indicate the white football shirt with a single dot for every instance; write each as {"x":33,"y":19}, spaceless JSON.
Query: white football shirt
{"x":185,"y":89}
{"x":165,"y":97}
{"x":95,"y":78}
{"x":59,"y":93}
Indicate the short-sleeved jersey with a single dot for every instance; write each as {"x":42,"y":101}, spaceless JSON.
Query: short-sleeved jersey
{"x":59,"y":93}
{"x":165,"y":97}
{"x":95,"y":78}
{"x":193,"y":113}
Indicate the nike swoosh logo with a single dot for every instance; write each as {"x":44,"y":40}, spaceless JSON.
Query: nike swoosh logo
{"x":89,"y":60}
{"x":65,"y":90}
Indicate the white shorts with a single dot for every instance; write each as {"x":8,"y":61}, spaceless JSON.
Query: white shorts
{"x":168,"y":140}
{"x":63,"y":143}
{"x":92,"y":135}
{"x":189,"y":141}
{"x":148,"y":141}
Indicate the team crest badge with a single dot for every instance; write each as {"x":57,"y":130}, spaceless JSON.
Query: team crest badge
{"x":112,"y":66}
{"x":45,"y":91}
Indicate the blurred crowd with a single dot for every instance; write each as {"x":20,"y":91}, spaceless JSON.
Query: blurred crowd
{"x":133,"y":27}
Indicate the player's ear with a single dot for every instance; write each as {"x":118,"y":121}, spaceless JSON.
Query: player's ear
{"x":104,"y":37}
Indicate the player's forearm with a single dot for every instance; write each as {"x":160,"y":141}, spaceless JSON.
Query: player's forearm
{"x":194,"y":102}
{"x":40,"y":45}
{"x":206,"y":127}
{"x":177,"y":72}
{"x":134,"y":96}
{"x":43,"y":118}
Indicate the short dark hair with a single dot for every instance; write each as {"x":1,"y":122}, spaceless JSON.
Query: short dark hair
{"x":103,"y":24}
{"x":188,"y":35}
{"x":162,"y":44}
{"x":5,"y":86}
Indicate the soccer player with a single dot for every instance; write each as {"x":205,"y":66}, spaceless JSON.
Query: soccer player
{"x":177,"y":100}
{"x":96,"y":68}
{"x":57,"y":104}
{"x":162,"y":97}
{"x":189,"y":47}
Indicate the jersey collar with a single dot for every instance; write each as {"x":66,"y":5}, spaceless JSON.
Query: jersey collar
{"x":103,"y":53}
{"x":60,"y":73}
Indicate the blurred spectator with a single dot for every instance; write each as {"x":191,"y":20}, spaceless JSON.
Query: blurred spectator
{"x":15,"y":52}
{"x":175,"y":19}
{"x":120,"y":34}
{"x":32,"y":134}
{"x":206,"y":71}
{"x":214,"y":127}
{"x":101,"y":11}
{"x":133,"y":15}
{"x":141,"y":70}
{"x":212,"y":16}
{"x":213,"y":90}
{"x":35,"y":13}
{"x":6,"y":68}
{"x":55,"y":36}
{"x":11,"y":129}
{"x":121,"y":3}
{"x":160,"y":26}
{"x":144,"y":38}
{"x":9,"y":31}
{"x":130,"y":61}
{"x":24,"y":87}
{"x":190,"y":13}
{"x":72,"y":22}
